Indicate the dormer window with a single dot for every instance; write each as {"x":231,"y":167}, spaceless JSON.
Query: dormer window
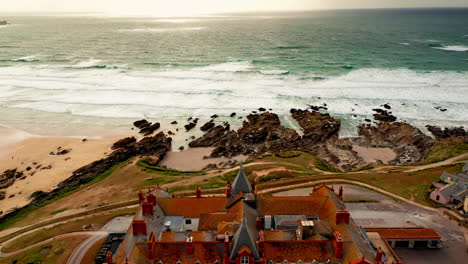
{"x":244,"y":260}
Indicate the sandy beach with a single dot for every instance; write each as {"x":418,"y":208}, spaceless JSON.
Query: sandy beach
{"x":31,"y":154}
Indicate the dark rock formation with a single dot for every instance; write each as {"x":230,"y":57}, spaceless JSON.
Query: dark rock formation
{"x":260,"y":133}
{"x":214,"y":116}
{"x":141,"y":123}
{"x":150,"y":129}
{"x":454,"y":133}
{"x":232,"y":115}
{"x":386,"y":106}
{"x":316,"y":126}
{"x":146,"y":128}
{"x":122,"y":143}
{"x":8,"y":177}
{"x":207,"y":126}
{"x":190,"y":126}
{"x":384,"y":116}
{"x":174,"y":123}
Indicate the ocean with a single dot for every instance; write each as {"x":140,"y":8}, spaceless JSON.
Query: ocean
{"x":85,"y":70}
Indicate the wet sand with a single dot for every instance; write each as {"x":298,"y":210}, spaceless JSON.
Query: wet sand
{"x":371,"y":155}
{"x":192,"y":159}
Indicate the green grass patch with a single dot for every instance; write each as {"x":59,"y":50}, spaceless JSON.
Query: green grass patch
{"x":145,"y":163}
{"x":73,"y":226}
{"x":276,"y":175}
{"x":443,"y":151}
{"x":364,"y":168}
{"x":288,"y":154}
{"x":324,"y":166}
{"x":212,"y":183}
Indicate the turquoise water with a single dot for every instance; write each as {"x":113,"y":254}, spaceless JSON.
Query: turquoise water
{"x":111,"y":68}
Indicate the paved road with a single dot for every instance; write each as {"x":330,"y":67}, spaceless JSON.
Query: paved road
{"x":80,"y":251}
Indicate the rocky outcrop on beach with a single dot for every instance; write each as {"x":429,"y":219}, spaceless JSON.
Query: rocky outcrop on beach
{"x":259,"y":134}
{"x":317,"y":127}
{"x":409,"y":143}
{"x":452,"y":133}
{"x":384,"y":116}
{"x":8,"y":177}
{"x":122,"y":143}
{"x":207,"y":126}
{"x":146,"y":128}
{"x":263,"y":132}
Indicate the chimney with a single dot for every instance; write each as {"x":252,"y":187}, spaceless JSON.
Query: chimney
{"x":139,"y":226}
{"x":109,"y":257}
{"x":340,"y":193}
{"x":147,"y":208}
{"x":228,"y":190}
{"x":338,"y":245}
{"x":227,"y":248}
{"x":151,"y":198}
{"x":141,"y":197}
{"x":261,"y":243}
{"x":189,"y":245}
{"x":379,"y":256}
{"x":198,"y":192}
{"x":259,"y":223}
{"x":342,"y":216}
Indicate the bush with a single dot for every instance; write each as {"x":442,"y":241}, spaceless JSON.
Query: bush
{"x":288,"y":154}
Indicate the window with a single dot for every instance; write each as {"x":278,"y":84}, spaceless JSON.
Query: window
{"x":188,"y":221}
{"x":437,"y":197}
{"x":244,"y":260}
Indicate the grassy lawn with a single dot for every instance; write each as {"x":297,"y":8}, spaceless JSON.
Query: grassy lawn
{"x":93,"y":222}
{"x":443,"y":151}
{"x":413,"y":185}
{"x":51,"y":253}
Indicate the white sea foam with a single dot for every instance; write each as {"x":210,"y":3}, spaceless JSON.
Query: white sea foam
{"x":229,"y":87}
{"x":404,"y":44}
{"x":453,"y":48}
{"x":274,"y":72}
{"x":26,"y":59}
{"x":162,"y":30}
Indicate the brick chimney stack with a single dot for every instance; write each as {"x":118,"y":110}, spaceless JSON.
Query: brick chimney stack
{"x":340,"y":193}
{"x":199,"y":192}
{"x":228,"y":189}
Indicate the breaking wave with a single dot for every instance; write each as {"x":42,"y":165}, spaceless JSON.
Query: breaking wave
{"x":452,"y":48}
{"x":224,"y":88}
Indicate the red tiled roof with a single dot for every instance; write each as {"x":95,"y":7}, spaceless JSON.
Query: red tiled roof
{"x":300,"y":205}
{"x":191,"y":207}
{"x":212,"y":221}
{"x":205,"y":253}
{"x":295,"y":251}
{"x":405,"y":232}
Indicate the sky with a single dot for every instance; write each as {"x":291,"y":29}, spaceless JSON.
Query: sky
{"x":196,"y":7}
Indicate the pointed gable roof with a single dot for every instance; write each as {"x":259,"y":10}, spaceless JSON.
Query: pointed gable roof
{"x":244,"y":238}
{"x":241,"y":183}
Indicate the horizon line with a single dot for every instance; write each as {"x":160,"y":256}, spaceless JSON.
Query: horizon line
{"x":220,"y":13}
